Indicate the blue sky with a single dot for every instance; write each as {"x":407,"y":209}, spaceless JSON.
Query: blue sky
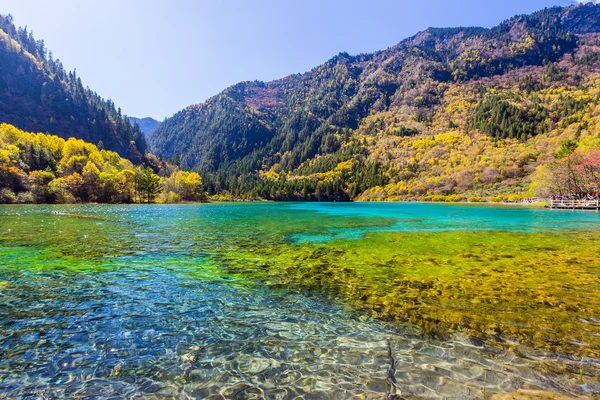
{"x":155,"y":57}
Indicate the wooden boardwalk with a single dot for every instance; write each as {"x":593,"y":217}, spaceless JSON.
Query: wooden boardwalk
{"x":574,"y":204}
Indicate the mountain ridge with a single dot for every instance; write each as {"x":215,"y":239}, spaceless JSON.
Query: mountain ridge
{"x":236,"y":137}
{"x":147,"y":124}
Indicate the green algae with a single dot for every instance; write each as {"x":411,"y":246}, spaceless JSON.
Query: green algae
{"x":542,"y":289}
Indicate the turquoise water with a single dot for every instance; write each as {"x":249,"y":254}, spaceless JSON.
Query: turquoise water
{"x":419,"y":217}
{"x":118,"y":301}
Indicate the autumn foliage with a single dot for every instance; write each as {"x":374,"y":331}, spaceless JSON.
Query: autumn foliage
{"x":40,"y":168}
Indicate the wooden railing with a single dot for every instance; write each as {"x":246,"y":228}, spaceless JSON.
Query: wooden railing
{"x":575,"y":204}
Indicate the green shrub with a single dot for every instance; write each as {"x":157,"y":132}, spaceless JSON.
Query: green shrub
{"x":7,"y":196}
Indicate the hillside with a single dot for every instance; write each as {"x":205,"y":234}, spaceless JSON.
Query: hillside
{"x":37,"y":94}
{"x":449,"y":113}
{"x":147,"y":125}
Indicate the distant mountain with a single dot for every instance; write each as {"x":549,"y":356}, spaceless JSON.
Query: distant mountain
{"x":413,"y":121}
{"x":37,"y":94}
{"x":147,"y":124}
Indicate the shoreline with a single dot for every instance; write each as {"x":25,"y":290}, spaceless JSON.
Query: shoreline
{"x":487,"y":203}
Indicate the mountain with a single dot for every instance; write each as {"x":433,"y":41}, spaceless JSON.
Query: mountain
{"x":37,"y":94}
{"x":469,"y":111}
{"x":147,"y":124}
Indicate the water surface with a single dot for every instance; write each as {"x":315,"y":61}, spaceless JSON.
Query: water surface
{"x":297,"y":300}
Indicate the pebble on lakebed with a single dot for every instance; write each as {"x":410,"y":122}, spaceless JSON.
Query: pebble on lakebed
{"x":522,"y":394}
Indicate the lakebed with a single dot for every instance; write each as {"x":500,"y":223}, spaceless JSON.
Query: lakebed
{"x":298,"y":299}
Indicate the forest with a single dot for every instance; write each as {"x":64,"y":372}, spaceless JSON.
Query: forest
{"x":41,"y":168}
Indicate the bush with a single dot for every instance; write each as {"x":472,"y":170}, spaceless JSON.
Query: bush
{"x":440,"y":198}
{"x":26,"y":198}
{"x":7,"y":196}
{"x":515,"y":197}
{"x":169,"y":198}
{"x":476,"y":199}
{"x":454,"y":198}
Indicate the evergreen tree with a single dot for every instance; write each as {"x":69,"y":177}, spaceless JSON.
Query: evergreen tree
{"x":148,"y":184}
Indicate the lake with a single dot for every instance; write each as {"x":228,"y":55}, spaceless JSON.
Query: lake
{"x":298,"y":300}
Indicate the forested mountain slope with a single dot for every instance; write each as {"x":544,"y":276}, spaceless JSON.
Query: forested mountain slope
{"x":37,"y":94}
{"x":472,"y":111}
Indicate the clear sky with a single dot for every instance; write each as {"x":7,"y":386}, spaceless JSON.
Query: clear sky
{"x":155,"y":57}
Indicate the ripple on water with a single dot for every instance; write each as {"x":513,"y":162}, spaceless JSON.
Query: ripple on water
{"x":129,"y":306}
{"x":100,"y":334}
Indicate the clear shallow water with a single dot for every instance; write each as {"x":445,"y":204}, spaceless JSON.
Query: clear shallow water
{"x":155,"y":332}
{"x":116,"y":301}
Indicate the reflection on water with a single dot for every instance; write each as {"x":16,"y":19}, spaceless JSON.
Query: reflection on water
{"x":143,"y":301}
